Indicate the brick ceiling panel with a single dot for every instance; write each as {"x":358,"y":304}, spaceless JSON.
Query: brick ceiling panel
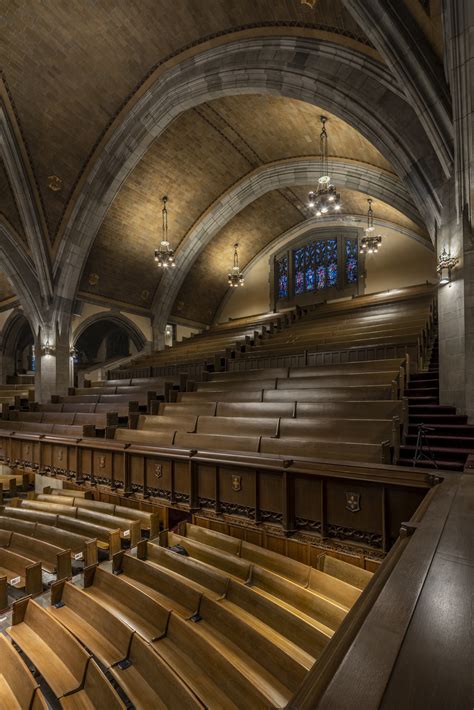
{"x":204,"y":152}
{"x":253,"y":228}
{"x":71,"y":65}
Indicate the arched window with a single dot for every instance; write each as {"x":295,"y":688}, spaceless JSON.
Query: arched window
{"x":323,"y":266}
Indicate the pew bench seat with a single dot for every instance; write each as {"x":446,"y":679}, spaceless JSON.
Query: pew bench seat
{"x":96,"y":692}
{"x":54,"y":652}
{"x":150,"y":682}
{"x":18,"y":688}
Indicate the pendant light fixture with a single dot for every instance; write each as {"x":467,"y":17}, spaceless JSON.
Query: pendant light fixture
{"x":235,"y":277}
{"x":370,"y":243}
{"x":164,"y":255}
{"x":326,"y":198}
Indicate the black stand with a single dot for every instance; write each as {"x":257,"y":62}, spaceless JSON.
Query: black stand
{"x":423,"y":450}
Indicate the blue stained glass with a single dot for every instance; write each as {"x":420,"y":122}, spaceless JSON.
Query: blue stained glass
{"x":310,"y":279}
{"x":282,"y":266}
{"x":299,"y":261}
{"x":332,"y":274}
{"x":351,"y":261}
{"x":321,"y":277}
{"x":332,"y":262}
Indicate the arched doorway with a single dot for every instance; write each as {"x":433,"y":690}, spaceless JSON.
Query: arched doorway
{"x":106,"y":337}
{"x":17,"y":347}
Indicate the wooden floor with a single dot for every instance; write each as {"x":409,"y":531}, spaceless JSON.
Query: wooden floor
{"x":415,"y":649}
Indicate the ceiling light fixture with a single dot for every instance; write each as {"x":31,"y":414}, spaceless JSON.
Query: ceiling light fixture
{"x":164,"y":255}
{"x":370,"y":243}
{"x":236,"y":277}
{"x":326,"y":198}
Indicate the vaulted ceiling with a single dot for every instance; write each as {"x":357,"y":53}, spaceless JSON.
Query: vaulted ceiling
{"x":70,"y":67}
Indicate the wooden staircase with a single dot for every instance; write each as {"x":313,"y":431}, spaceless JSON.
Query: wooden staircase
{"x":451,"y":439}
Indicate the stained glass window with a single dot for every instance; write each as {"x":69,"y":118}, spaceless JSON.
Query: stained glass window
{"x":315,"y":266}
{"x":299,"y":263}
{"x":331,"y":262}
{"x":351,"y":261}
{"x":282,"y":271}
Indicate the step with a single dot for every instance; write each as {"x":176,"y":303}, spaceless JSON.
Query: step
{"x":439,"y":452}
{"x":429,"y":375}
{"x":442,"y":464}
{"x":454,"y":430}
{"x":436,"y":441}
{"x":425,"y":392}
{"x":422,"y":400}
{"x":432,"y":409}
{"x":430,"y":383}
{"x":437,"y":419}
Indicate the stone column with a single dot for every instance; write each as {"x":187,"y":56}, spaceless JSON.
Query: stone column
{"x":456,"y":300}
{"x":53,"y":370}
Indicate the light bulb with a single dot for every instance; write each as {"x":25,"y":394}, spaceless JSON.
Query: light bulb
{"x":318,"y":213}
{"x":337,"y":207}
{"x":324,"y":210}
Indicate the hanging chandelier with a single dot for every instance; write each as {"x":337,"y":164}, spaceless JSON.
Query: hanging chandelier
{"x":326,"y":198}
{"x":370,"y":243}
{"x":164,"y":255}
{"x":236,"y":277}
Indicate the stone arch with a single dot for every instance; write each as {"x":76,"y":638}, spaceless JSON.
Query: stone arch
{"x":117,"y":319}
{"x":301,"y":171}
{"x":19,"y":269}
{"x":17,"y":329}
{"x":351,"y":85}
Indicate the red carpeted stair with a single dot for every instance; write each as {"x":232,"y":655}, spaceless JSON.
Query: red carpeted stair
{"x":452,"y":438}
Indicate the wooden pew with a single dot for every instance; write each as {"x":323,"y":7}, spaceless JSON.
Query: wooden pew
{"x":80,"y":546}
{"x":19,"y":572}
{"x":133,"y":606}
{"x":149,"y":522}
{"x":53,"y":559}
{"x":106,"y":538}
{"x":356,"y":576}
{"x":130,"y":528}
{"x":341,"y":591}
{"x":238,"y":426}
{"x":54,"y":652}
{"x":327,"y":614}
{"x":162,"y":423}
{"x":150,"y":682}
{"x":340,"y":450}
{"x":18,"y":688}
{"x":99,"y":630}
{"x":96,"y":692}
{"x":217,"y":442}
{"x":302,"y":640}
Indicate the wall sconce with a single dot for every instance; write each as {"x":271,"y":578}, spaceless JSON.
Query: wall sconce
{"x":446,"y":263}
{"x":47,"y":350}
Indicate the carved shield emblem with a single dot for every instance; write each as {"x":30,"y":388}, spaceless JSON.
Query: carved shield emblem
{"x":102,"y":462}
{"x":353,"y":502}
{"x":236,"y":483}
{"x":158,"y":470}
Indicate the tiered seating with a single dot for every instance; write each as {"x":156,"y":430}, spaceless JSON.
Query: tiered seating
{"x":15,"y":395}
{"x":227,"y":625}
{"x":362,"y":328}
{"x":94,"y":421}
{"x":287,"y":412}
{"x":208,"y":347}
